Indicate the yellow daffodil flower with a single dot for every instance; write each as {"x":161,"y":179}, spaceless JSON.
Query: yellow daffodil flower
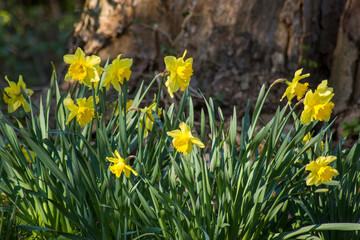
{"x":83,"y":69}
{"x":317,"y":105}
{"x":13,"y":96}
{"x":83,"y":110}
{"x":116,"y":72}
{"x":120,"y":166}
{"x":308,"y":138}
{"x":295,"y":88}
{"x":149,"y":117}
{"x":128,"y":105}
{"x":320,"y":172}
{"x":26,"y":153}
{"x":27,"y":156}
{"x":183,"y":140}
{"x":180,"y":73}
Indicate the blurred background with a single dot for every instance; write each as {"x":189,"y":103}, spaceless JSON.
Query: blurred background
{"x":34,"y":33}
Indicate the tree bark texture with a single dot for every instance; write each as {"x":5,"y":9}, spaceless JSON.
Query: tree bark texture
{"x":237,"y":45}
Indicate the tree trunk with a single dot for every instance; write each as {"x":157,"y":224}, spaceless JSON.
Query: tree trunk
{"x":236,"y":45}
{"x":346,"y":66}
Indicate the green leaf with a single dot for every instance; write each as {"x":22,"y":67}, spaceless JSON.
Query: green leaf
{"x":321,"y":227}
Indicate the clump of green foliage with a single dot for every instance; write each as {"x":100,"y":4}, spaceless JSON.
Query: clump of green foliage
{"x":64,"y":176}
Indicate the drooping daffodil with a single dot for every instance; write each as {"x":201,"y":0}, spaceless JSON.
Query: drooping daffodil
{"x":307,"y":138}
{"x":149,"y":117}
{"x":128,"y":105}
{"x":295,"y":88}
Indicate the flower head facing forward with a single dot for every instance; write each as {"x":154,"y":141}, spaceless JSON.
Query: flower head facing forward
{"x":120,"y":166}
{"x":149,"y":117}
{"x":116,"y":72}
{"x":13,"y":96}
{"x":183,"y":140}
{"x":83,"y":69}
{"x":83,"y":110}
{"x":317,"y":105}
{"x":295,"y":88}
{"x":320,"y":172}
{"x":180,"y":73}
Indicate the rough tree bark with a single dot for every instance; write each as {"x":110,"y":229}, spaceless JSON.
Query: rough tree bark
{"x":237,"y":45}
{"x":345,"y":69}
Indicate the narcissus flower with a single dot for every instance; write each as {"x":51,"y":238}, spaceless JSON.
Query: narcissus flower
{"x":116,"y":72}
{"x":149,"y":117}
{"x":320,"y":171}
{"x":180,"y":73}
{"x":183,"y":140}
{"x":28,"y":154}
{"x":83,"y":69}
{"x":308,"y":138}
{"x":317,"y":105}
{"x":120,"y":166}
{"x":128,"y":105}
{"x":295,"y":88}
{"x":13,"y":96}
{"x":83,"y":110}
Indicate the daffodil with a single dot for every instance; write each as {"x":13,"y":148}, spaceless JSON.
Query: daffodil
{"x":295,"y":88}
{"x":320,"y":172}
{"x":83,"y":69}
{"x":308,"y":138}
{"x":317,"y":105}
{"x":180,"y":73}
{"x":13,"y":96}
{"x":28,"y":154}
{"x":183,"y":140}
{"x":149,"y":117}
{"x":120,"y":166}
{"x":116,"y":72}
{"x":83,"y":110}
{"x":128,"y":105}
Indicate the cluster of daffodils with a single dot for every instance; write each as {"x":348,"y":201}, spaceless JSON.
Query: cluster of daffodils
{"x":317,"y":106}
{"x":87,"y":71}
